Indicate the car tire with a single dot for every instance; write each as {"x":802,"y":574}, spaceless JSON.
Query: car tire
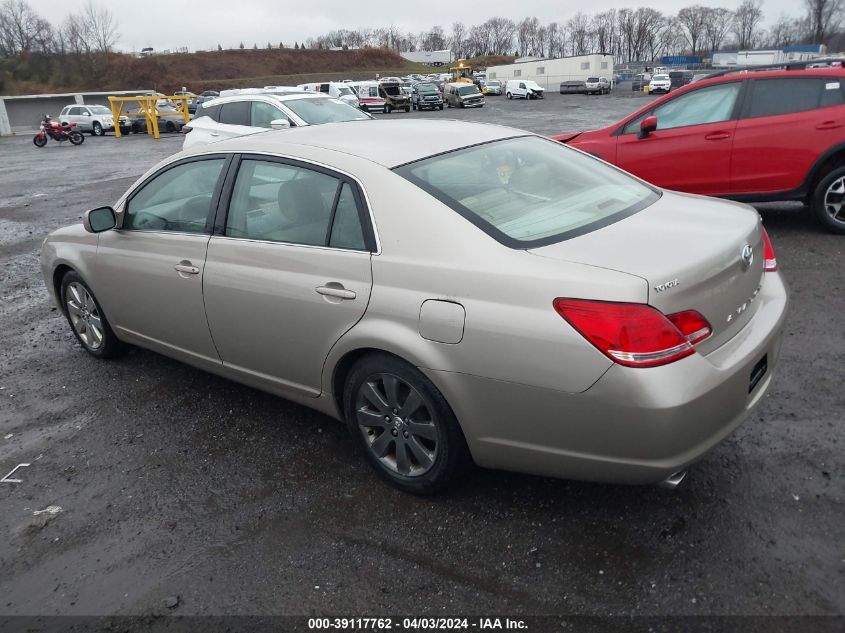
{"x":510,"y":96}
{"x":86,"y":318}
{"x":170,"y":127}
{"x":407,"y":108}
{"x":828,"y":202}
{"x":441,"y":106}
{"x":97,"y":129}
{"x":414,"y":106}
{"x":388,"y":109}
{"x":426,"y":442}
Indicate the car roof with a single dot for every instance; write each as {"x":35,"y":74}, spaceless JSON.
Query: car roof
{"x":277,"y":96}
{"x":388,"y":143}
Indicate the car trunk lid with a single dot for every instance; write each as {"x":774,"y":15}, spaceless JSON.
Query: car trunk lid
{"x":689,"y":250}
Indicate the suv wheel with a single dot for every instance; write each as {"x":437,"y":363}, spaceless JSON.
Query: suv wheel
{"x":97,"y":129}
{"x":404,"y":425}
{"x":828,"y":201}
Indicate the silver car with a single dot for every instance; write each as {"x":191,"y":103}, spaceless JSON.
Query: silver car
{"x":452,"y":291}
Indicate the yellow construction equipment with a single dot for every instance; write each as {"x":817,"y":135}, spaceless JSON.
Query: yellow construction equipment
{"x":149,"y":108}
{"x":462,"y":74}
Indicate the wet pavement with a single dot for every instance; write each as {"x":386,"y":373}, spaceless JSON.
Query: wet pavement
{"x":175,"y":483}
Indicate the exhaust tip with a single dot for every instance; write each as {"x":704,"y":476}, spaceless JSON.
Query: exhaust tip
{"x":674,"y":480}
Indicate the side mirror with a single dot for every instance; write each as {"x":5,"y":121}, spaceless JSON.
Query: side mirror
{"x":99,"y":219}
{"x":648,"y":125}
{"x":280,"y":124}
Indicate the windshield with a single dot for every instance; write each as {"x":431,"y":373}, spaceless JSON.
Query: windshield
{"x":392,"y":90}
{"x":530,"y":191}
{"x":494,"y":83}
{"x":317,"y":111}
{"x":100,"y":110}
{"x":661,"y":78}
{"x":467,"y":90}
{"x":426,"y":88}
{"x":343,"y":90}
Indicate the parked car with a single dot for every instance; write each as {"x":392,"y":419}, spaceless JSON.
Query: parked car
{"x":394,"y":97}
{"x":369,"y":98}
{"x":640,"y":81}
{"x":597,"y":85}
{"x":523,"y":89}
{"x":390,"y":80}
{"x":192,"y":99}
{"x":426,"y":95}
{"x":240,"y":115}
{"x":494,"y":87}
{"x":336,"y":89}
{"x":754,"y":136}
{"x":170,"y":119}
{"x":463,"y":95}
{"x":580,"y":302}
{"x":573,"y":87}
{"x":206,"y":96}
{"x":95,"y":119}
{"x":680,"y":78}
{"x":660,"y":83}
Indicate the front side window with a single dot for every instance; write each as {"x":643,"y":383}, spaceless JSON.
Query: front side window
{"x":178,"y":199}
{"x":529,"y":191}
{"x":264,"y":113}
{"x":706,"y":105}
{"x":286,"y":203}
{"x":786,"y":95}
{"x":318,"y":111}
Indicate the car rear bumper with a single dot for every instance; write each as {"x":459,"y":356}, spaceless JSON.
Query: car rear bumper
{"x":634,"y":426}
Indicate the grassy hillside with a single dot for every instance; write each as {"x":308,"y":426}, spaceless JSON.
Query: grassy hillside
{"x":204,"y":71}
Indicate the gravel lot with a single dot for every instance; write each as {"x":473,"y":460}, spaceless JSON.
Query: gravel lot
{"x":173,"y":482}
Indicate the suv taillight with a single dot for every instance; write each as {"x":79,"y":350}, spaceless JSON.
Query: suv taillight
{"x":770,"y":262}
{"x":635,"y":334}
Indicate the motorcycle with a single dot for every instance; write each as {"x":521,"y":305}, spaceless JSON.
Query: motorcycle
{"x":58,"y":132}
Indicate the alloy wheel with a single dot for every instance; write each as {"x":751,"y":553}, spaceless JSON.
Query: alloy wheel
{"x":397,"y":424}
{"x":834,"y":200}
{"x":84,"y":315}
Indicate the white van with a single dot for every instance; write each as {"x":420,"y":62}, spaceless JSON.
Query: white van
{"x":523,"y":89}
{"x":368,"y":96}
{"x":336,"y":89}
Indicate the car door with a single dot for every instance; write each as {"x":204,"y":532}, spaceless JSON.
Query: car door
{"x":233,"y":120}
{"x":785,"y":125}
{"x":288,"y":271}
{"x":691,"y":148}
{"x":149,"y":271}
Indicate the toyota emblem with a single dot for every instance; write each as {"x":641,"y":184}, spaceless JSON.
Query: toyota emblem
{"x":746,"y":256}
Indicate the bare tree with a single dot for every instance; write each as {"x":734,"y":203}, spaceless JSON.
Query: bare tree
{"x":502,"y":31}
{"x":102,"y":27}
{"x":22,"y":30}
{"x":433,"y":40}
{"x":555,"y":40}
{"x":784,"y":32}
{"x":746,"y":25}
{"x":717,"y":25}
{"x":457,"y":40}
{"x":604,"y":27}
{"x":578,"y":30}
{"x":823,"y":18}
{"x":694,"y":20}
{"x":526,"y":33}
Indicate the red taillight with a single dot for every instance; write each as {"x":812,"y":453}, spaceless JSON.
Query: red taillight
{"x":770,"y":262}
{"x":185,"y":129}
{"x":634,"y":334}
{"x":692,"y":325}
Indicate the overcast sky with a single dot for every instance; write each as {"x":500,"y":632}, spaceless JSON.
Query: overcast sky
{"x":165,"y":24}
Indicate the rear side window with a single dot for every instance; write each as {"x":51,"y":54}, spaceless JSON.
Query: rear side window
{"x":528,"y":191}
{"x":212,"y":112}
{"x":277,"y":202}
{"x":786,"y":95}
{"x":235,"y":113}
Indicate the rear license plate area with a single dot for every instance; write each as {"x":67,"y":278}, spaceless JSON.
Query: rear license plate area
{"x":757,"y":373}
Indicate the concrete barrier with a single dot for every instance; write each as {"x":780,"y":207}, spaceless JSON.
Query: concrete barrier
{"x":23,"y":113}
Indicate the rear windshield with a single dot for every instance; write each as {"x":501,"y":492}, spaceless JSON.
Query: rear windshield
{"x":528,"y":191}
{"x":592,"y":79}
{"x":317,"y":111}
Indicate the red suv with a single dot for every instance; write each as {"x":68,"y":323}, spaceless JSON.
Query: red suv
{"x":754,"y":136}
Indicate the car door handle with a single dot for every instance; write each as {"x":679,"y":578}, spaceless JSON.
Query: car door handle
{"x":186,"y":268}
{"x":335,"y":291}
{"x":717,"y":136}
{"x":828,"y":125}
{"x":214,"y":133}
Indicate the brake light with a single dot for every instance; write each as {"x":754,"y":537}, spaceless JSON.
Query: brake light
{"x":770,"y":262}
{"x":692,"y":325}
{"x":185,"y":129}
{"x":635,"y":334}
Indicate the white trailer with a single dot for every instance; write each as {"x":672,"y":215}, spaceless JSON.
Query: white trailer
{"x":549,"y":73}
